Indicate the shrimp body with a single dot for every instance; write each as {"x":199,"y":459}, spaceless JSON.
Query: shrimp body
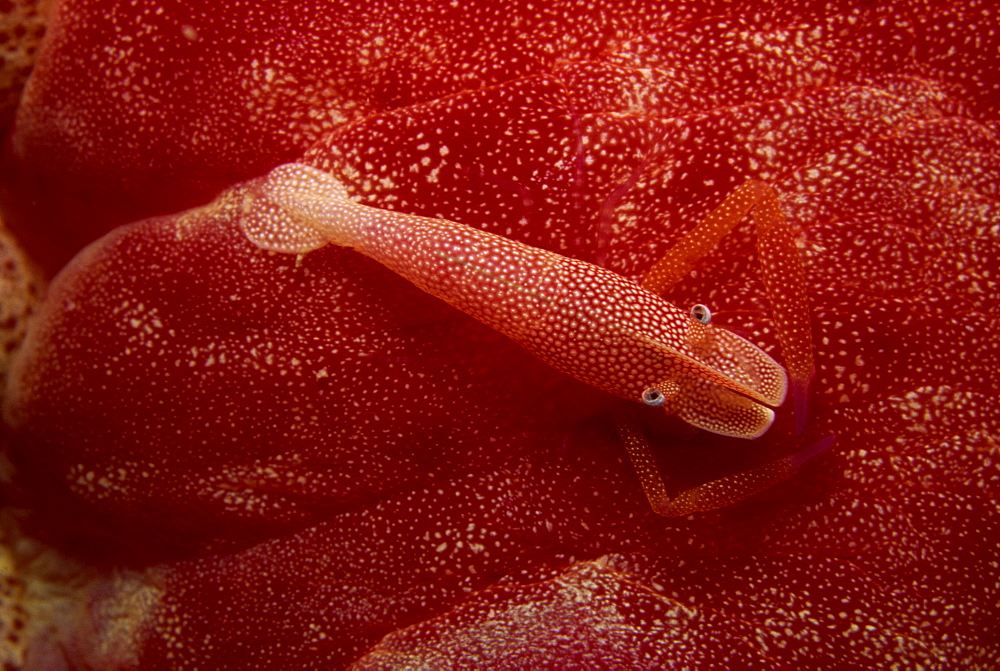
{"x":581,"y":319}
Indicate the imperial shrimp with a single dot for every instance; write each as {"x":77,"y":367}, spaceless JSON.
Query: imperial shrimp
{"x":584,"y":320}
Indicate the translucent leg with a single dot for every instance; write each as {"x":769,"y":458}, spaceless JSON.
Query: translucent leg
{"x":781,"y":269}
{"x":785,"y":282}
{"x":711,"y":495}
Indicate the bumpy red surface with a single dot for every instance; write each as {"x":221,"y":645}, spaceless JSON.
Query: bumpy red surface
{"x":308,"y":462}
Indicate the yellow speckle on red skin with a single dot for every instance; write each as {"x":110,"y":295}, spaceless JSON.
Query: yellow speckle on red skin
{"x":877,"y":124}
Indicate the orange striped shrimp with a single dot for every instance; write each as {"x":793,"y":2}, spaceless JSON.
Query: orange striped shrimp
{"x":584,"y":320}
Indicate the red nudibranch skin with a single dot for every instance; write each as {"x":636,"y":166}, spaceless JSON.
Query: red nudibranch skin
{"x":275,"y":462}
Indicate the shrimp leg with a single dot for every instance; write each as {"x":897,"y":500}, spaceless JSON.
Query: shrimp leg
{"x":711,"y":495}
{"x":781,"y":270}
{"x":784,"y":280}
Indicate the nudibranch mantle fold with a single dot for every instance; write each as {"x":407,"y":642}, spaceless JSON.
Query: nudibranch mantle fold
{"x":581,"y":319}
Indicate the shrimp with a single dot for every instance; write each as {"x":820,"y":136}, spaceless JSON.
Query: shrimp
{"x":583,"y":320}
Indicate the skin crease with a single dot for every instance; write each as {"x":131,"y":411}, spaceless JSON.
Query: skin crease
{"x":504,"y":527}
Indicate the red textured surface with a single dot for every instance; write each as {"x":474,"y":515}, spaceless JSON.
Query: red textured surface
{"x":366,"y":461}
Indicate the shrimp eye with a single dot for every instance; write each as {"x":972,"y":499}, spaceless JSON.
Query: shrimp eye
{"x":653,"y":397}
{"x":701,"y":313}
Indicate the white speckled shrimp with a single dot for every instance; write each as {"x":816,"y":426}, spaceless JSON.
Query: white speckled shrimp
{"x":583,"y":320}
